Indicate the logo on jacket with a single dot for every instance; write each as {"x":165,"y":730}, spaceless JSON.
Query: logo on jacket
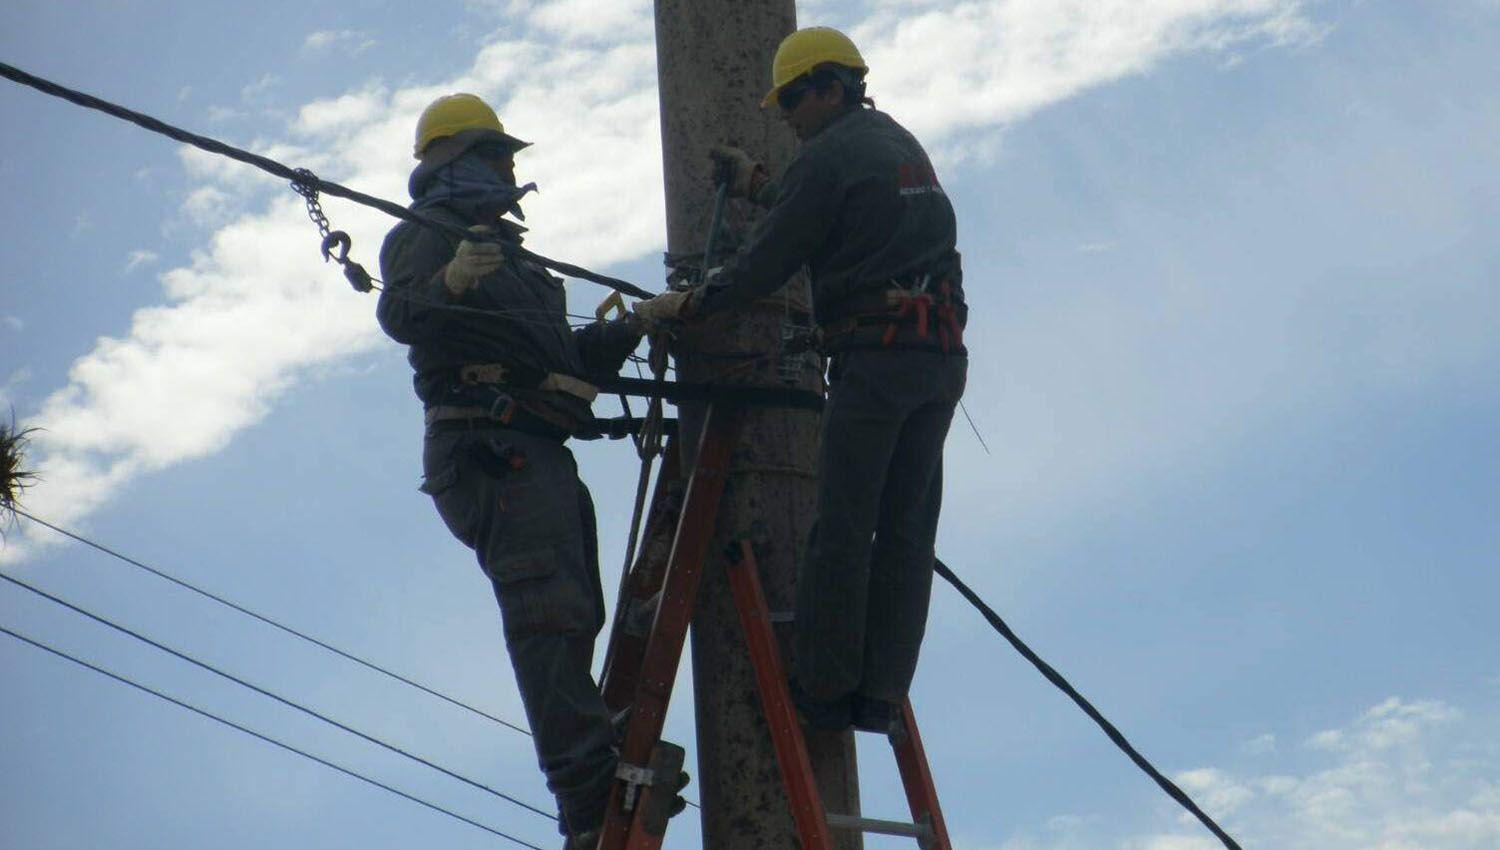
{"x":917,"y":178}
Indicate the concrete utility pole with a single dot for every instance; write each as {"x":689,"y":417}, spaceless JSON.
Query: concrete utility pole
{"x":713,"y":64}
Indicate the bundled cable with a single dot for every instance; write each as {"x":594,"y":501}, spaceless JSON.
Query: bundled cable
{"x":1063,"y":685}
{"x":305,"y":181}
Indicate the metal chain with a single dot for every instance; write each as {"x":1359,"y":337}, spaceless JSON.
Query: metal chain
{"x":306,"y":185}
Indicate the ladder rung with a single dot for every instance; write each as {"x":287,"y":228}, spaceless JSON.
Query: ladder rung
{"x":884,"y":827}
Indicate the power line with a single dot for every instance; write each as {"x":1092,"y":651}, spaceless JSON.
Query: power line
{"x":277,"y":697}
{"x":243,"y":610}
{"x":270,"y":622}
{"x":266,"y":738}
{"x":1062,"y":684}
{"x":299,"y":176}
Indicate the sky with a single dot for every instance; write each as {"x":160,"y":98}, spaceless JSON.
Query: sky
{"x":1234,"y":278}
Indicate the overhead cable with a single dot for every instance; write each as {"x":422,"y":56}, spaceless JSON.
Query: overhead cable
{"x":273,"y":623}
{"x":268,"y":621}
{"x":1057,"y":679}
{"x":277,"y":697}
{"x":266,"y":738}
{"x":301,"y":177}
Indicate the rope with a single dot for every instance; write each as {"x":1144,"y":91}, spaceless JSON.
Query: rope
{"x":270,"y":622}
{"x":266,"y":738}
{"x":1062,"y":684}
{"x":301,"y":177}
{"x":277,"y":697}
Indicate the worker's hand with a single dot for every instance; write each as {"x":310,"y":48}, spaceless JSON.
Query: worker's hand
{"x":656,"y":312}
{"x":472,"y":261}
{"x":745,"y":172}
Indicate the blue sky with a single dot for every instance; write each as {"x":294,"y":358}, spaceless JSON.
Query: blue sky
{"x":1233,"y":266}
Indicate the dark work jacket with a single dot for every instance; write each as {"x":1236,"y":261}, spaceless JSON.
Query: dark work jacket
{"x":860,"y":205}
{"x":531,"y":331}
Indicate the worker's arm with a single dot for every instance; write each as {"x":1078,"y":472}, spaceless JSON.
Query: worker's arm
{"x":412,"y":265}
{"x":806,"y":202}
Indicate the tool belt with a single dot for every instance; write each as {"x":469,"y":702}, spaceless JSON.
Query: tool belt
{"x":929,"y":311}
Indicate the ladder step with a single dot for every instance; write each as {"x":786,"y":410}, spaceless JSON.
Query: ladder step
{"x":920,"y":831}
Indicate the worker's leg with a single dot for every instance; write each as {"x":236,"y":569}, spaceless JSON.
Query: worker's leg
{"x":861,"y":423}
{"x":901,"y":563}
{"x":531,"y":526}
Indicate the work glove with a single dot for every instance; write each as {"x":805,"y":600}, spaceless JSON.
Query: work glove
{"x":472,"y":261}
{"x":745,"y":173}
{"x":656,"y":312}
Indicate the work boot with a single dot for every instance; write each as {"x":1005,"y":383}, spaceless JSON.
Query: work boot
{"x":679,"y":802}
{"x":815,"y":714}
{"x":583,"y":841}
{"x":873,"y":715}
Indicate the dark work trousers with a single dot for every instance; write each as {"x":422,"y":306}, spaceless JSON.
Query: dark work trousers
{"x":516,"y":499}
{"x":863,"y":589}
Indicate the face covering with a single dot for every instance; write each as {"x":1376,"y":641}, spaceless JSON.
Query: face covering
{"x":469,"y":185}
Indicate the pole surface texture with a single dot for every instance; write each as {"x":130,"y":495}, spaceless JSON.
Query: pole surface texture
{"x":713,"y":67}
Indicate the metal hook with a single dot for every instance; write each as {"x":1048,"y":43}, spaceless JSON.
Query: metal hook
{"x":340,"y":239}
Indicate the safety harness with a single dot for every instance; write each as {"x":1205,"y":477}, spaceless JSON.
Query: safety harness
{"x":931,"y":312}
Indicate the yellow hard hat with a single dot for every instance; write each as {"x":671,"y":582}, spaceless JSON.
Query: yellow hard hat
{"x":453,"y":114}
{"x":805,"y":50}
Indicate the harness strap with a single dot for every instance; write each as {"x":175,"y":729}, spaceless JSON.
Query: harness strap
{"x":515,"y":375}
{"x":918,"y":306}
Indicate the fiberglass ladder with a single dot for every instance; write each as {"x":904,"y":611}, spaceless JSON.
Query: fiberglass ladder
{"x":641,"y":666}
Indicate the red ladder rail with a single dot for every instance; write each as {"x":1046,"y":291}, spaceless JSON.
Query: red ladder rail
{"x":813,"y":822}
{"x":770,"y":680}
{"x":627,"y":637}
{"x":916,"y":777}
{"x":623,"y":828}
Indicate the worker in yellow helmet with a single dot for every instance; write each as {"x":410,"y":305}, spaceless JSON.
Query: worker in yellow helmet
{"x":497,"y":368}
{"x":861,"y":207}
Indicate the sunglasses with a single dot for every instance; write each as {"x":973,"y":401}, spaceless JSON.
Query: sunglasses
{"x":494,"y":151}
{"x":789,"y":97}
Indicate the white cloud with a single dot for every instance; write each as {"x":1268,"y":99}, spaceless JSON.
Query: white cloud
{"x":351,"y":111}
{"x":260,"y":88}
{"x":257,"y":309}
{"x":1260,"y":744}
{"x":221,"y":114}
{"x":1402,"y":776}
{"x":590,"y":20}
{"x":952,"y":68}
{"x":1391,"y":723}
{"x":352,"y":42}
{"x":15,"y":323}
{"x":7,"y":389}
{"x":139,"y":258}
{"x":207,"y":206}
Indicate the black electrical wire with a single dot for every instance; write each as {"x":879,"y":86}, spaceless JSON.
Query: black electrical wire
{"x":266,"y":738}
{"x":1062,"y":684}
{"x":300,"y":176}
{"x":270,"y":622}
{"x":289,"y":630}
{"x":277,"y":697}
